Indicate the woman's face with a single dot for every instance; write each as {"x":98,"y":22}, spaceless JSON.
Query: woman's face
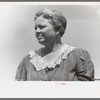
{"x":44,"y":31}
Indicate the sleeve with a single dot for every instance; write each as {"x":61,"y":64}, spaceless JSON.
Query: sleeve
{"x":21,"y":74}
{"x":84,"y":66}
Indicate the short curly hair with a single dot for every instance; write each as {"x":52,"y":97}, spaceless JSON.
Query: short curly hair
{"x":56,"y":18}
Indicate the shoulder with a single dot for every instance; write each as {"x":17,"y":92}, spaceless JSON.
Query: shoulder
{"x":80,"y":50}
{"x":31,"y":54}
{"x":82,"y":53}
{"x":76,"y":51}
{"x":78,"y":54}
{"x":25,"y":58}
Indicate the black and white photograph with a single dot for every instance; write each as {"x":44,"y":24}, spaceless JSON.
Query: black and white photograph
{"x":43,"y":42}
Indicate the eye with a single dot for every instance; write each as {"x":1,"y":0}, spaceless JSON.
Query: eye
{"x":42,"y":26}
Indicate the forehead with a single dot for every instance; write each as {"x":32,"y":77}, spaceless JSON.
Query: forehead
{"x":41,"y":20}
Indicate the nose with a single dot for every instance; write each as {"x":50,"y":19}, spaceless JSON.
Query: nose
{"x":38,"y":30}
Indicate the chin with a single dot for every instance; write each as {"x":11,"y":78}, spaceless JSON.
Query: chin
{"x":42,"y":42}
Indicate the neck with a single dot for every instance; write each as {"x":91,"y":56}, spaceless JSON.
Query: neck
{"x":53,"y":46}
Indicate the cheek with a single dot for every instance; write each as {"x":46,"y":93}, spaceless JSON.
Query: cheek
{"x":49,"y":34}
{"x":50,"y":31}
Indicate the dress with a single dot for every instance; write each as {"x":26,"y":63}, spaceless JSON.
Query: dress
{"x":72,"y":64}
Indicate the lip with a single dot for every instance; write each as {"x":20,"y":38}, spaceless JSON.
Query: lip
{"x":39,"y":37}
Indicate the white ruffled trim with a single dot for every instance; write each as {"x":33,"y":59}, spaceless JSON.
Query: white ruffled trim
{"x":38,"y":63}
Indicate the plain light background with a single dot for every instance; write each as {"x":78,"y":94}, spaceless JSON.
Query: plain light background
{"x":17,"y":36}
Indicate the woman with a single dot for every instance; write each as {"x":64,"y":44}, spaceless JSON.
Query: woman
{"x":55,"y":61}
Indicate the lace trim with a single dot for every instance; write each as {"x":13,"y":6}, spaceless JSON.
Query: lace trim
{"x":38,"y":63}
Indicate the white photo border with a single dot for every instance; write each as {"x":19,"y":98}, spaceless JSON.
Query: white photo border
{"x":13,"y":89}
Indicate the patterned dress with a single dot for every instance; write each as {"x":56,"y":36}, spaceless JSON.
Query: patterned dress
{"x":71,"y":64}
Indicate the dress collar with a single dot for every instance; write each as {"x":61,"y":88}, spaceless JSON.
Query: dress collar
{"x":37,"y":60}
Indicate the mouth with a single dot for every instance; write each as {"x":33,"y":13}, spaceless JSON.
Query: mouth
{"x":39,"y":36}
